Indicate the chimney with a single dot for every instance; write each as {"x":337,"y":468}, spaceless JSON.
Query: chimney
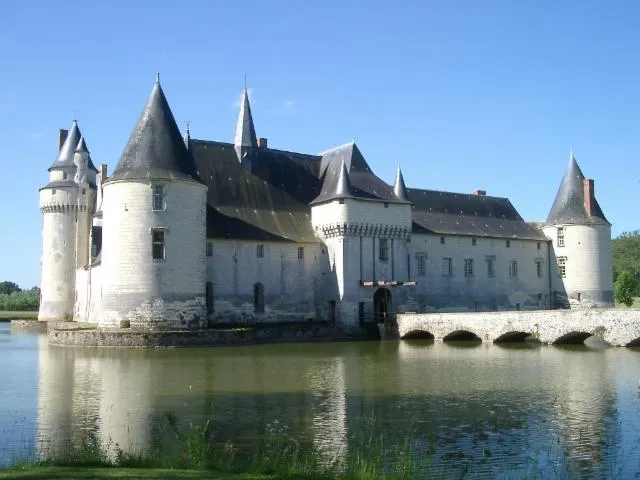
{"x":103,"y":172}
{"x":62,"y":136}
{"x":262,"y":142}
{"x":589,"y":196}
{"x":481,"y":193}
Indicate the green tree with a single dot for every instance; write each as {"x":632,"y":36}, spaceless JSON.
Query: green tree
{"x":7,"y":288}
{"x":625,"y":288}
{"x":626,"y":256}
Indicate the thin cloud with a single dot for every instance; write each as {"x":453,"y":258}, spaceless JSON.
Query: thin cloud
{"x":289,"y":104}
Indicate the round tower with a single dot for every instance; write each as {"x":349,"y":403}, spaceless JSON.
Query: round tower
{"x":581,"y":238}
{"x":153,"y":229}
{"x":65,"y":202}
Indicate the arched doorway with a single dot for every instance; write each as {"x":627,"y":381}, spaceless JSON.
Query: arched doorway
{"x":382,"y":305}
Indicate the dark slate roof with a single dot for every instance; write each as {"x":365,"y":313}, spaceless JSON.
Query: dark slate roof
{"x":399,"y":188}
{"x":568,"y":206}
{"x":65,"y":183}
{"x":155,"y":149}
{"x":465,"y":214}
{"x":364,"y":184}
{"x":82,"y":147}
{"x":272,"y":203}
{"x":65,"y":155}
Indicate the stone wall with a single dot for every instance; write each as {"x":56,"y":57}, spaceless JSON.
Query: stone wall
{"x":617,"y":327}
{"x":29,"y":325}
{"x":93,"y":337}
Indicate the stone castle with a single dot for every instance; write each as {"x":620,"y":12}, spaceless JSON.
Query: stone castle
{"x":187,"y":233}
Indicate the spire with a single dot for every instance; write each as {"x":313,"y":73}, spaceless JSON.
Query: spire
{"x":245,"y":138}
{"x":399,"y":188}
{"x":65,"y":155}
{"x":569,"y":204}
{"x":82,"y":146}
{"x":155,"y":149}
{"x":187,"y":136}
{"x":343,"y":185}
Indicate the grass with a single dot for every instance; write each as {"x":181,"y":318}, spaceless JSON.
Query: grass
{"x":99,"y":473}
{"x":6,"y":316}
{"x":192,"y":451}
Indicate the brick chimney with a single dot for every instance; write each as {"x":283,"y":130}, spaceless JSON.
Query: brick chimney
{"x":589,"y":196}
{"x":482,"y":193}
{"x":262,"y":142}
{"x":103,"y":172}
{"x":62,"y":136}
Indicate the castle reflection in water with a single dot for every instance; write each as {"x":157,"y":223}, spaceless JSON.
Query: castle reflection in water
{"x":483,"y":408}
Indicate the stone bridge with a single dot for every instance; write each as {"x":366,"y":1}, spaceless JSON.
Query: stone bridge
{"x":616,"y":327}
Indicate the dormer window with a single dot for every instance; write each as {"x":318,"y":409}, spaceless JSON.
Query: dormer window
{"x":561,"y":236}
{"x":158,"y":197}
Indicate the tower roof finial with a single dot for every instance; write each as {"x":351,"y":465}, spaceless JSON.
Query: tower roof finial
{"x":245,"y":82}
{"x":158,"y":77}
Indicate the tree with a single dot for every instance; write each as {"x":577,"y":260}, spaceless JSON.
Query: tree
{"x":625,"y":288}
{"x":7,"y":288}
{"x":626,"y":256}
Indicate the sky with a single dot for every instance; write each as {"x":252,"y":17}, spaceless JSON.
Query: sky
{"x":462,"y":94}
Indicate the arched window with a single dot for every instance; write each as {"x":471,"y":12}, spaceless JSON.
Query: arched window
{"x":258,"y":298}
{"x":209,"y":297}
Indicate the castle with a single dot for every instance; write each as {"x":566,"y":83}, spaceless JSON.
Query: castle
{"x":187,"y":233}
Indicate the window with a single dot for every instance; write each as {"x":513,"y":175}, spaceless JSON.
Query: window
{"x":209,"y":295}
{"x":84,"y":191}
{"x":447,"y":267}
{"x":258,"y":298}
{"x":383,"y":249}
{"x":539,"y":267}
{"x":260,"y":251}
{"x":158,"y":197}
{"x":300,"y":253}
{"x":421,"y":264}
{"x":157,"y":243}
{"x":65,"y":176}
{"x":538,"y":245}
{"x":474,"y":242}
{"x":386,"y":204}
{"x":468,"y":267}
{"x":561,"y":236}
{"x":442,"y":240}
{"x":341,"y":201}
{"x":513,"y":268}
{"x":562,"y":267}
{"x":508,"y":243}
{"x":491,"y":266}
{"x":209,"y":249}
{"x":53,"y":191}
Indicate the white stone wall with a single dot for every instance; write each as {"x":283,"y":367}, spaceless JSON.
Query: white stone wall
{"x":438,"y":292}
{"x":150,"y":293}
{"x":589,"y":268}
{"x":58,"y":261}
{"x":88,"y":294}
{"x":292,"y":286}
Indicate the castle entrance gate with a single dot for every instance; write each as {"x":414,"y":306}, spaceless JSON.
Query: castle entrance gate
{"x":382,"y":305}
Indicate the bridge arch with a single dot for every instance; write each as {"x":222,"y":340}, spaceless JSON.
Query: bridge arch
{"x":634,"y":343}
{"x":417,"y":335}
{"x":572,"y":338}
{"x":512,"y":337}
{"x":458,"y":335}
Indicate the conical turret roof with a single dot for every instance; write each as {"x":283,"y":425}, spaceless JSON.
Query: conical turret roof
{"x":82,"y":147}
{"x":343,"y":186}
{"x":245,"y":131}
{"x":399,"y":188}
{"x":65,"y":155}
{"x":155,"y":149}
{"x":568,"y":206}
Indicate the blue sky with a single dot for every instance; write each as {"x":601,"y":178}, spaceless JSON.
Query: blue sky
{"x":462,"y":94}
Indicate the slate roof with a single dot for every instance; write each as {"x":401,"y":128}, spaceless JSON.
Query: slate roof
{"x":270,"y":204}
{"x":245,"y":131}
{"x":467,"y":214}
{"x":568,"y":206}
{"x":156,"y":148}
{"x":65,"y":154}
{"x":364,"y":184}
{"x":399,"y":188}
{"x":274,"y":202}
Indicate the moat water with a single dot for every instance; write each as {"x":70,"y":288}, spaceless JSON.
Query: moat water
{"x":465,"y":409}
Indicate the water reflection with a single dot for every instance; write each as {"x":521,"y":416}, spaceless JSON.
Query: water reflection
{"x":477,"y":408}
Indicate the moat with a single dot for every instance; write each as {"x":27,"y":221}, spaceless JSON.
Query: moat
{"x":474,"y":409}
